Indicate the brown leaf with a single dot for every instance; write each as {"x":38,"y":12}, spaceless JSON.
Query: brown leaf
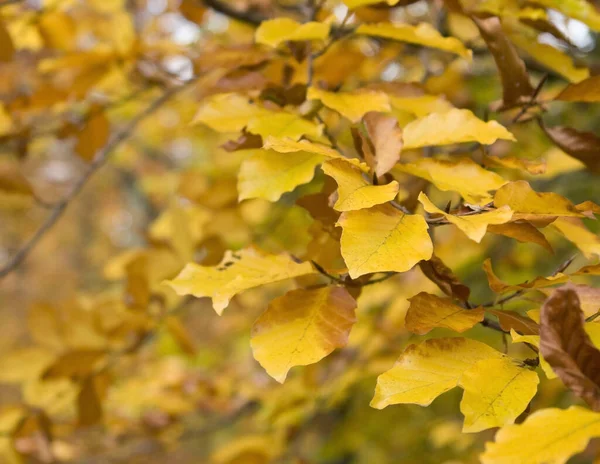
{"x":516,"y":87}
{"x":244,"y":142}
{"x":565,"y":345}
{"x":7,"y":49}
{"x":385,"y":137}
{"x":93,"y":136}
{"x":513,"y":320}
{"x":588,"y":90}
{"x":441,"y":275}
{"x":89,"y":400}
{"x":584,"y":146}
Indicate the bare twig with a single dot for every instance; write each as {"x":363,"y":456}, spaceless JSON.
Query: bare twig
{"x":101,"y":158}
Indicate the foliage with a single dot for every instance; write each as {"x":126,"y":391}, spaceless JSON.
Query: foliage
{"x":357,"y":182}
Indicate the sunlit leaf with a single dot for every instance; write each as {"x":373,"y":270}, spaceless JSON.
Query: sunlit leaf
{"x":382,"y":239}
{"x":284,"y":125}
{"x":276,"y":31}
{"x":301,"y":328}
{"x":425,"y":371}
{"x":351,"y":105}
{"x":228,"y":112}
{"x":238,"y":271}
{"x":497,"y":391}
{"x":354,"y":192}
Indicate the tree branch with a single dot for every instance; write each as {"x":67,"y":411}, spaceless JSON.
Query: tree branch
{"x":101,"y":158}
{"x":249,"y":16}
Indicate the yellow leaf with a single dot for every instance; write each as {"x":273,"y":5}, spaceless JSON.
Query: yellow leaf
{"x":421,"y":34}
{"x":584,"y":91}
{"x":238,"y":271}
{"x":529,"y":204}
{"x":463,"y":176}
{"x":354,"y":192}
{"x":453,"y":126}
{"x":6,"y":124}
{"x":353,"y":4}
{"x":427,"y":312}
{"x":425,"y":371}
{"x":548,"y":436}
{"x":499,"y":286}
{"x":575,"y":231}
{"x":351,"y":105}
{"x":301,"y":328}
{"x":58,"y":30}
{"x":474,"y":226}
{"x":421,"y":106}
{"x":497,"y":391}
{"x":526,"y":39}
{"x":534,"y":167}
{"x":228,"y":112}
{"x":268,"y":174}
{"x":284,"y":125}
{"x":276,"y":31}
{"x":382,"y":239}
{"x":582,"y":10}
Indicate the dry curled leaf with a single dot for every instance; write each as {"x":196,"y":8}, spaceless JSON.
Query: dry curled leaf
{"x":441,"y":275}
{"x":567,"y":348}
{"x":583,"y":146}
{"x":385,"y":137}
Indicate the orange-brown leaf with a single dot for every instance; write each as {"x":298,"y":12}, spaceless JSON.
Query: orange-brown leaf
{"x":512,"y":320}
{"x":441,"y":275}
{"x":583,"y":146}
{"x":386,"y":141}
{"x":567,"y":348}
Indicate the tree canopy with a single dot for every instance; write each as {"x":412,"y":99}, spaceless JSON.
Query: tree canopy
{"x":299,"y":231}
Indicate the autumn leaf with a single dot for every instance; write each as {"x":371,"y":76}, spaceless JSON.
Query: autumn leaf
{"x":497,"y":391}
{"x":499,"y":286}
{"x":549,"y":436}
{"x":238,"y":271}
{"x":276,"y":31}
{"x":567,"y":348}
{"x":474,"y":226}
{"x":524,"y":232}
{"x":427,"y":312}
{"x":382,"y":239}
{"x":589,"y":297}
{"x":574,"y":230}
{"x":453,"y":126}
{"x":587,"y":90}
{"x":384,"y":142}
{"x":354,"y":192}
{"x":12,"y":181}
{"x":529,"y":204}
{"x":425,"y":371}
{"x":534,"y":167}
{"x":421,"y":34}
{"x":284,"y":125}
{"x":580,"y":145}
{"x":228,"y":112}
{"x":351,"y":105}
{"x":463,"y":176}
{"x":516,"y":87}
{"x":267,"y":174}
{"x":301,"y":328}
{"x":7,"y":48}
{"x":422,"y":105}
{"x":441,"y":275}
{"x":512,"y":320}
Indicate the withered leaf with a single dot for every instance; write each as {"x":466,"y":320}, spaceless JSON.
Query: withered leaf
{"x":565,"y":345}
{"x":584,"y":146}
{"x":512,"y":320}
{"x":385,"y":137}
{"x":441,"y":275}
{"x":516,"y":87}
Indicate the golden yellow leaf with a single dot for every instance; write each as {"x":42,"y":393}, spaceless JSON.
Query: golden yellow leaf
{"x":352,"y":105}
{"x":268,"y":174}
{"x":499,"y":286}
{"x":6,"y":124}
{"x":529,"y":204}
{"x":58,"y":30}
{"x":587,"y":90}
{"x":425,"y":371}
{"x":382,"y":239}
{"x":284,"y":125}
{"x":301,"y":328}
{"x":353,"y":4}
{"x":421,"y":106}
{"x":463,"y":176}
{"x":497,"y":391}
{"x":228,"y":112}
{"x":421,"y":34}
{"x":276,"y":31}
{"x":549,"y":436}
{"x":354,"y":192}
{"x":453,"y":126}
{"x":534,"y":167}
{"x":427,"y":312}
{"x":526,"y":39}
{"x":575,"y":231}
{"x":238,"y":271}
{"x":474,"y":226}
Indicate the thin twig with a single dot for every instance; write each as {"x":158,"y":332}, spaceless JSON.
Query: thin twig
{"x":96,"y":164}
